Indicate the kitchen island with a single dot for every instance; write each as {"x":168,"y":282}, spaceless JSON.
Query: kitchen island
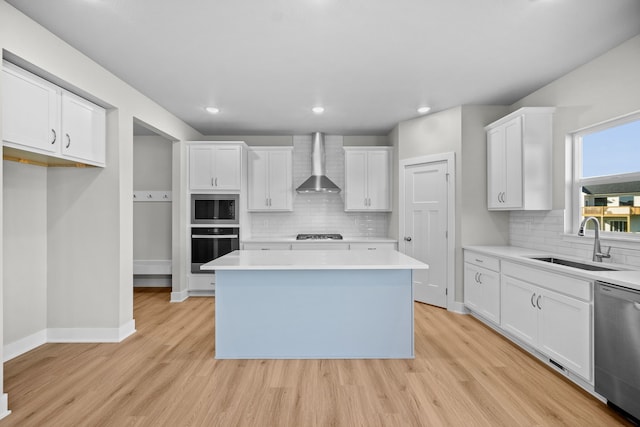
{"x":314,"y":304}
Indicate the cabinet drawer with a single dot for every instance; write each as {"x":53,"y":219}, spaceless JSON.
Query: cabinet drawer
{"x":320,"y":246}
{"x":266,"y":246}
{"x":482,"y":260}
{"x":202,"y":282}
{"x":372,"y":246}
{"x":572,"y":286}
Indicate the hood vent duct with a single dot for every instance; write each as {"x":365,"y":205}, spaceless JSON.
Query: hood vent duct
{"x":318,"y":181}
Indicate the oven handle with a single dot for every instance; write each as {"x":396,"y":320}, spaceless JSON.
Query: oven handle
{"x":210,"y":236}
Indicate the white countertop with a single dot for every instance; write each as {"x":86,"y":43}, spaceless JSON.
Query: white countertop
{"x":626,"y":276}
{"x":315,"y":260}
{"x":292,"y":239}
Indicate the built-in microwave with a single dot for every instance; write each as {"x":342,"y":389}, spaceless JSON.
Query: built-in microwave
{"x":214,"y":209}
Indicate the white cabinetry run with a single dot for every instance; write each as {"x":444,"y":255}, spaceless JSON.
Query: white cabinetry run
{"x":215,"y":166}
{"x":367,"y":184}
{"x":556,"y":323}
{"x":519,"y":160}
{"x":40,"y":117}
{"x":270,"y":179}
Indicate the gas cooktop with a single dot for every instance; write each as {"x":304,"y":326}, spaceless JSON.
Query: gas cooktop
{"x":319,"y":237}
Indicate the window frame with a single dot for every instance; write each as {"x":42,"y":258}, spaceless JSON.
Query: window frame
{"x":575,"y":182}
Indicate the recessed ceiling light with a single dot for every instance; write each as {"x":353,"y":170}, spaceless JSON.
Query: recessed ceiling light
{"x":212,"y":110}
{"x":424,"y":110}
{"x":318,"y":110}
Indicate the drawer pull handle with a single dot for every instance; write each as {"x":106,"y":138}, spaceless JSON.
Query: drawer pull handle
{"x":538,"y":302}
{"x":533,"y":304}
{"x":479,"y":260}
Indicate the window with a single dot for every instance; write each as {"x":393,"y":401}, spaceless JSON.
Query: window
{"x":606,"y":176}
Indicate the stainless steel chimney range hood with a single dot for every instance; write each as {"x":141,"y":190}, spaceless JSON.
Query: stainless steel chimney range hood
{"x":318,"y":181}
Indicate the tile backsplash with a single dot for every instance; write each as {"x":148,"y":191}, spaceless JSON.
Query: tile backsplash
{"x":544,"y":231}
{"x":318,"y":213}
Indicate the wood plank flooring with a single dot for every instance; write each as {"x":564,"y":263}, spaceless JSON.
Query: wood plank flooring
{"x":464,"y":374}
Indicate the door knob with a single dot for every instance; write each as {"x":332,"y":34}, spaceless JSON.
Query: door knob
{"x":407,"y":239}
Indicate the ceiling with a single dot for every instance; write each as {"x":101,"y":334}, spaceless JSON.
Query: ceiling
{"x":369,"y":63}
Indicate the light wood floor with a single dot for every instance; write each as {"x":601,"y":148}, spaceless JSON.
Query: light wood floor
{"x":464,"y":374}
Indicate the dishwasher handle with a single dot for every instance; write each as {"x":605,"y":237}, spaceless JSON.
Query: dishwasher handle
{"x":619,"y":292}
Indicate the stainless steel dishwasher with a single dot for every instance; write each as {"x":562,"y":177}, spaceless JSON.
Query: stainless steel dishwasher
{"x":617,"y":346}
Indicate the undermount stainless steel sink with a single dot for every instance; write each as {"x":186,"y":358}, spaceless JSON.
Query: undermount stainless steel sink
{"x":574,"y":264}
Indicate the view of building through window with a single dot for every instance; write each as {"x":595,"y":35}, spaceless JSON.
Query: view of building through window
{"x":610,"y":177}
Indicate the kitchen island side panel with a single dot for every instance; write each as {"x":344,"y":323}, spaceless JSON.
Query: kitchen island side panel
{"x":313,"y":314}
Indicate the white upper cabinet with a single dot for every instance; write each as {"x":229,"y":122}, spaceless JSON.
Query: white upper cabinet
{"x":270,"y":179}
{"x":40,"y":117}
{"x":367,"y":179}
{"x":215,"y":166}
{"x":83,"y":129}
{"x":519,"y":160}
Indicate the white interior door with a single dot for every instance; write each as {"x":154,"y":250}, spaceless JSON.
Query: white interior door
{"x":425,"y":229}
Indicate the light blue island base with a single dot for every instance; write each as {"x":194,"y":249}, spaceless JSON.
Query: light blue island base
{"x":313,"y":314}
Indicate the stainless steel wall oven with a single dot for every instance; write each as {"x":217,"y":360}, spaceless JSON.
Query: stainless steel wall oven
{"x":210,"y":243}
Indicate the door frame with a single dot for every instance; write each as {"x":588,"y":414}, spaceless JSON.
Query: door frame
{"x":449,"y":158}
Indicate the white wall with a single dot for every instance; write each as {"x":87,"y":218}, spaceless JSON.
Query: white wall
{"x":151,"y":220}
{"x":89,"y":211}
{"x":318,"y":213}
{"x":459,"y":130}
{"x":25,"y":251}
{"x":601,"y":90}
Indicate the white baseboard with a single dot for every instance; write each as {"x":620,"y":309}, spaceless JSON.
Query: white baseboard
{"x":73,"y":335}
{"x":4,"y":406}
{"x":457,"y":307}
{"x":67,"y":335}
{"x":23,"y":345}
{"x":179,"y":296}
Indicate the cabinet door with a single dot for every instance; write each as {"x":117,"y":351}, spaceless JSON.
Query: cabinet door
{"x":490,"y":294}
{"x":226,"y":168}
{"x":378,"y":173}
{"x":355,"y":181}
{"x":258,"y":199}
{"x":513,"y":164}
{"x":83,"y":129}
{"x":200,"y":167}
{"x":280,"y":180}
{"x":564,"y":331}
{"x":519,"y":310}
{"x":472,"y":294}
{"x":30,"y":112}
{"x":495,"y":167}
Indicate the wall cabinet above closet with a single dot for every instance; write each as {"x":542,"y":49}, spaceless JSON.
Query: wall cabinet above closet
{"x":41,"y":118}
{"x":519,"y":160}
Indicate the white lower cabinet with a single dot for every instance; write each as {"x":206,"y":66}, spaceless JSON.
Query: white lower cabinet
{"x":556,"y":325}
{"x":202,"y":282}
{"x":482,"y":290}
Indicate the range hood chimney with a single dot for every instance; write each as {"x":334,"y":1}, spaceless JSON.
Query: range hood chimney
{"x":318,"y":181}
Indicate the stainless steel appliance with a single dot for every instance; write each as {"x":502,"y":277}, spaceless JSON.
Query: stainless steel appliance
{"x":318,"y":236}
{"x":617,"y":346}
{"x":214,"y":209}
{"x":318,"y":181}
{"x":210,"y":243}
